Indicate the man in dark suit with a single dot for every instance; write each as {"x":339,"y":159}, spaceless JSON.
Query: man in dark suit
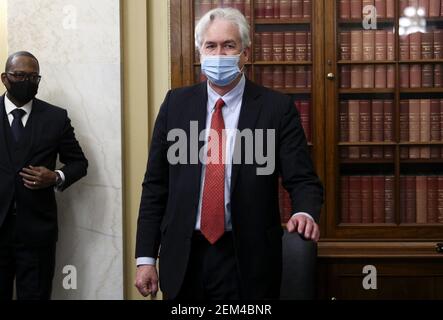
{"x":32,"y":134}
{"x":217,"y":225}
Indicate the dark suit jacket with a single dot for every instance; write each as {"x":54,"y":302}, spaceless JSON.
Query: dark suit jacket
{"x":170,"y":195}
{"x":50,"y":134}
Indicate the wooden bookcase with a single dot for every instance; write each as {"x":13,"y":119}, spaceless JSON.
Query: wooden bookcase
{"x":403,"y":252}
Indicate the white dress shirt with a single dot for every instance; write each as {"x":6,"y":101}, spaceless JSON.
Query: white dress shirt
{"x":231,"y":114}
{"x":10,"y":106}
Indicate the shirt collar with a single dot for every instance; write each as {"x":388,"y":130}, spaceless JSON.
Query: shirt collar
{"x":229,"y":98}
{"x":10,"y":106}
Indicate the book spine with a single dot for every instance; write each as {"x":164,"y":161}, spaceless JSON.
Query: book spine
{"x":414,"y":128}
{"x":279,"y":78}
{"x":277,"y":46}
{"x":365,"y":127}
{"x":415,"y":76}
{"x":378,"y":193}
{"x":344,"y":199}
{"x":380,"y":5}
{"x":381,"y":40}
{"x":421,"y":199}
{"x":356,"y":76}
{"x":368,"y":45}
{"x":355,"y":205}
{"x":307,"y":9}
{"x":345,"y":9}
{"x":377,"y":127}
{"x":381,"y":76}
{"x":345,"y":76}
{"x":354,"y":127}
{"x":366,"y":199}
{"x":356,"y":9}
{"x":297,"y":8}
{"x":368,"y":76}
{"x":435,"y":128}
{"x":389,"y":199}
{"x":300,"y":46}
{"x":432,"y":210}
{"x":411,"y":199}
{"x":440,"y":199}
{"x":289,"y":77}
{"x":285,"y":9}
{"x":425,"y":128}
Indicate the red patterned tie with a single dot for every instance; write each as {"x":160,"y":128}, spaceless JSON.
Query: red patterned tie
{"x":213,"y":205}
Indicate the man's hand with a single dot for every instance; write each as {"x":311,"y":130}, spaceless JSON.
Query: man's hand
{"x":304,"y":226}
{"x":146,"y":280}
{"x":36,"y":178}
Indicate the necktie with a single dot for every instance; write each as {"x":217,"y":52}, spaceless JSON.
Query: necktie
{"x":17,"y":125}
{"x":213,"y":201}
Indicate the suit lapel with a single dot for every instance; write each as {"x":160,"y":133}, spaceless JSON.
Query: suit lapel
{"x":6,"y":159}
{"x":198,"y":110}
{"x":249,"y":113}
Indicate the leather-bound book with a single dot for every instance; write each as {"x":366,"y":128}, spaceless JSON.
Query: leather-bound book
{"x":297,"y":8}
{"x":425,"y":127}
{"x":344,"y":9}
{"x":345,"y":76}
{"x":421,"y":198}
{"x":366,"y":199}
{"x":415,"y":76}
{"x":300,"y":46}
{"x":355,"y":205}
{"x":356,"y":76}
{"x":354,"y":127}
{"x":289,"y":39}
{"x":278,"y":46}
{"x":411,"y":202}
{"x":435,"y":128}
{"x":414,"y":127}
{"x":365,"y":127}
{"x":389,"y":199}
{"x":289,"y":77}
{"x":432,"y":187}
{"x":344,"y":198}
{"x":380,"y":76}
{"x":345,"y":45}
{"x":377,"y":127}
{"x":378,"y":196}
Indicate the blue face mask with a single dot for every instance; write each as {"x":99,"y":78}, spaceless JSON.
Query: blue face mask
{"x":221,"y":70}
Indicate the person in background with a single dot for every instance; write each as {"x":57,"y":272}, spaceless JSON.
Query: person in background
{"x":32,"y":134}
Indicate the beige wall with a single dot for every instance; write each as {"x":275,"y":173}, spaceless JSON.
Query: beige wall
{"x":3,"y":39}
{"x":145,"y":82}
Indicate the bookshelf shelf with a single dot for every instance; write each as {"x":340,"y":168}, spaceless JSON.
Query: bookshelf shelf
{"x":422,"y":161}
{"x":362,"y":91}
{"x":367,"y":161}
{"x":343,"y":144}
{"x":430,"y":143}
{"x":421,"y":61}
{"x":366,"y":62}
{"x":421,"y":90}
{"x":359,"y":21}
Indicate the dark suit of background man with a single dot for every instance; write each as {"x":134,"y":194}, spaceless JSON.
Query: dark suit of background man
{"x":32,"y":134}
{"x":183,"y":206}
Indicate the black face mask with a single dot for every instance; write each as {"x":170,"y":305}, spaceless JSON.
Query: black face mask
{"x":23,"y":91}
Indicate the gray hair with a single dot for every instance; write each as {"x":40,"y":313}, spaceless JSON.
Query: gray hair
{"x":228,"y":14}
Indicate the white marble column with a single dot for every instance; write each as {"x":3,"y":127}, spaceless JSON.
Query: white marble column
{"x":78,"y":45}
